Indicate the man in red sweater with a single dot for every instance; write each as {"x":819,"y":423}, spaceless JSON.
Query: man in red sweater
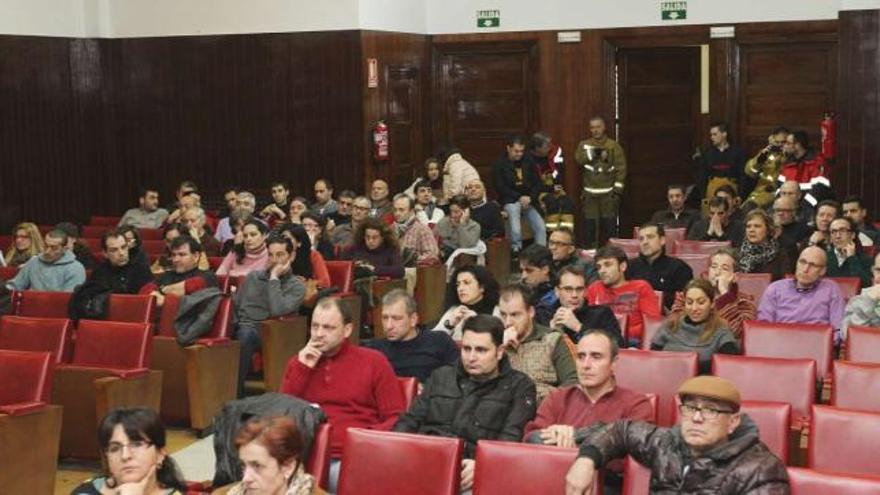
{"x":185,"y":277}
{"x":354,"y":386}
{"x":633,"y":298}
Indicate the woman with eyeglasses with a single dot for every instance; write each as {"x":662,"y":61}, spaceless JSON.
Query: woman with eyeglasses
{"x":133,"y":444}
{"x":698,"y":329}
{"x":761,"y":251}
{"x":27,"y":242}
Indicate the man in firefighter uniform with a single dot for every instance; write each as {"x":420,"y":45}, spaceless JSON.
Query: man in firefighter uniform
{"x":764,"y":169}
{"x":603,"y":168}
{"x":811,"y":169}
{"x":558,"y":207}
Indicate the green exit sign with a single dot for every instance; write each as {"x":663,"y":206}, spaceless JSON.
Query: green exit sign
{"x":488,"y":18}
{"x":673,"y":11}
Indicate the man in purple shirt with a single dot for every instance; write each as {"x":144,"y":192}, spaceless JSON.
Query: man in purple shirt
{"x":808,"y":298}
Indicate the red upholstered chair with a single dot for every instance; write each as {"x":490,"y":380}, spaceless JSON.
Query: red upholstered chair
{"x":214,"y":262}
{"x":43,"y":304}
{"x":814,"y":482}
{"x":410,"y":387}
{"x":94,"y":244}
{"x":506,"y":468}
{"x":153,"y":247}
{"x":108,"y":370}
{"x":753,"y":284}
{"x":629,"y":246}
{"x":622,"y":320}
{"x":844,"y":440}
{"x":863,"y":344}
{"x":151,"y":234}
{"x":790,"y":340}
{"x":654,"y":400}
{"x":20,"y":333}
{"x":380,"y":463}
{"x":658,"y":373}
{"x":318,"y":463}
{"x":205,"y":373}
{"x":636,"y":478}
{"x":342,"y":277}
{"x":29,"y":428}
{"x":652,"y":326}
{"x":856,"y":386}
{"x":104,"y":220}
{"x":699,"y":263}
{"x":224,"y":283}
{"x":5,"y":242}
{"x":673,"y":236}
{"x":698,"y":247}
{"x":132,"y":308}
{"x":8,"y":272}
{"x":792,"y":381}
{"x":94,"y":231}
{"x":849,"y":286}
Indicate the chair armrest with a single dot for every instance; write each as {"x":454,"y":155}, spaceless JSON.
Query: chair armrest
{"x":21,"y":408}
{"x":119,"y":372}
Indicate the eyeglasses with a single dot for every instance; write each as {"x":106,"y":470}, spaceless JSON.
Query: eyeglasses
{"x":840,"y":231}
{"x":783,"y":210}
{"x":559,"y":243}
{"x":572,"y":290}
{"x":708,"y":413}
{"x":359,"y":207}
{"x":135,"y":447}
{"x":809,"y":264}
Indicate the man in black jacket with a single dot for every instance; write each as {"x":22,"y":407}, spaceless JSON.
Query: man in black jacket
{"x":518,"y":186}
{"x":570,"y":312}
{"x":663,"y":273}
{"x":119,"y":273}
{"x":484,"y":212}
{"x":482,"y":380}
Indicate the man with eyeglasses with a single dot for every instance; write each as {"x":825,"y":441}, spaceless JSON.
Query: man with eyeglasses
{"x":343,"y":235}
{"x":808,"y":297}
{"x":864,"y":309}
{"x":792,"y":230}
{"x":565,"y":253}
{"x":715,"y":448}
{"x":845,"y":258}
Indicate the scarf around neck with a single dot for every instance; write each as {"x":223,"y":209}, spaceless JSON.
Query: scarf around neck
{"x":754,"y":256}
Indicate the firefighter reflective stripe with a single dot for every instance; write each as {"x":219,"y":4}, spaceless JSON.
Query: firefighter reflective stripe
{"x":805,"y":186}
{"x":598,"y":190}
{"x":810,"y":199}
{"x":820,"y":180}
{"x":618,"y":185}
{"x":589,"y":168}
{"x":782,"y":178}
{"x":558,"y":157}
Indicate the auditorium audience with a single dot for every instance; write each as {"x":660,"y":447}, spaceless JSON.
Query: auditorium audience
{"x":729,"y":193}
{"x":431,"y":179}
{"x":718,"y":227}
{"x":854,"y":208}
{"x":118,"y":272}
{"x":428,"y":211}
{"x":471,"y":291}
{"x":412,"y":234}
{"x":55,"y":269}
{"x":411,"y":350}
{"x":550,"y":166}
{"x":278,"y":209}
{"x":324,"y":204}
{"x":230,"y":199}
{"x":573,"y":314}
{"x":343,"y":210}
{"x":308,"y":264}
{"x":845,"y":255}
{"x":163,"y":263}
{"x":27,"y":242}
{"x":193,"y":220}
{"x":480,"y":398}
{"x":185,"y":277}
{"x":343,"y":235}
{"x":187,"y":197}
{"x":826,"y":212}
{"x":721,"y":163}
{"x":250,"y":255}
{"x":457,"y":172}
{"x":314,"y":225}
{"x":518,"y":186}
{"x":147,"y":215}
{"x":804,"y":211}
{"x":485,"y":212}
{"x":245,"y":204}
{"x":565,"y":253}
{"x":457,"y":230}
{"x":536,"y":272}
{"x":135,"y":246}
{"x":133,"y":447}
{"x":365,"y":393}
{"x":677,"y":215}
{"x":540,"y":352}
{"x":380,"y":199}
{"x":664,"y":273}
{"x":77,"y":246}
{"x":698,"y":329}
{"x":761,"y":251}
{"x":298,"y":206}
{"x":236,"y":219}
{"x":864,"y":309}
{"x":375,"y":251}
{"x":791,"y":230}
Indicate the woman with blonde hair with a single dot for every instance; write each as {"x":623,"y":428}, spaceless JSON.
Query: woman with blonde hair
{"x":27,"y":242}
{"x":698,"y":329}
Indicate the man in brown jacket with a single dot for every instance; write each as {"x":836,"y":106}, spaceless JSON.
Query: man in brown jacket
{"x":714,"y":449}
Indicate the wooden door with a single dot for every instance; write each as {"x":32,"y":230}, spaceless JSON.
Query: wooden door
{"x":484,"y":92}
{"x":402,"y":95}
{"x":659,"y":110}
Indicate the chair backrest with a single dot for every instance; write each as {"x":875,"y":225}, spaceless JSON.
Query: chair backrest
{"x":214,"y":262}
{"x":224,"y":283}
{"x":43,"y":304}
{"x":153,"y":247}
{"x":863,"y":344}
{"x":698,"y":247}
{"x":341,"y":275}
{"x":8,"y":272}
{"x":410,"y":387}
{"x":318,"y":463}
{"x":849,"y":286}
{"x":380,"y":462}
{"x":856,"y":386}
{"x":805,"y":481}
{"x":792,"y":381}
{"x":699,"y":263}
{"x":219,"y":329}
{"x":844,"y":440}
{"x":652,"y":326}
{"x":790,"y":340}
{"x":104,"y":220}
{"x":774,"y":424}
{"x":152,"y":234}
{"x":658,"y":373}
{"x":507,"y":467}
{"x":636,"y":478}
{"x":629,"y":246}
{"x":113,"y":344}
{"x":132,"y":308}
{"x":753,"y":284}
{"x":21,"y":333}
{"x":654,"y":400}
{"x":94,"y":231}
{"x":672,"y":236}
{"x":27,"y":377}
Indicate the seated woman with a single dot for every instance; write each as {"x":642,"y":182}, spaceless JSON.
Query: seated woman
{"x":845,"y":255}
{"x":375,"y":251}
{"x":761,"y":252}
{"x":457,"y":230}
{"x":271,"y":453}
{"x":163,"y":263}
{"x":133,"y":443}
{"x":314,"y":225}
{"x":237,"y":219}
{"x":433,"y":177}
{"x":732,"y":305}
{"x":298,"y":206}
{"x":699,"y":329}
{"x":27,"y":242}
{"x":251,"y":254}
{"x":472,"y":290}
{"x":308,"y":264}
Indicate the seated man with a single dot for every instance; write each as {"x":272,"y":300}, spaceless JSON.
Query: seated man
{"x":792,"y":231}
{"x":807,"y":298}
{"x":380,"y":200}
{"x":484,"y":212}
{"x":427,"y":210}
{"x":677,"y":215}
{"x":719,"y":226}
{"x":716,"y":449}
{"x":412,"y":234}
{"x":669,"y":275}
{"x":118,"y":272}
{"x":864,"y":309}
{"x":457,"y":230}
{"x":324,"y":204}
{"x":269,"y":293}
{"x":633,"y":298}
{"x":571,"y":313}
{"x":729,"y":193}
{"x":343,"y":235}
{"x":342,"y":215}
{"x":482,"y":381}
{"x":277,"y":210}
{"x":147,"y":215}
{"x":565,"y":253}
{"x":535,"y":263}
{"x":354,"y":386}
{"x":55,"y":270}
{"x":854,"y":209}
{"x":411,"y":350}
{"x":194,"y":220}
{"x":804,"y":211}
{"x":77,"y":246}
{"x":185,"y":277}
{"x":845,"y":259}
{"x":245,"y":204}
{"x":518,"y":187}
{"x":538,"y":351}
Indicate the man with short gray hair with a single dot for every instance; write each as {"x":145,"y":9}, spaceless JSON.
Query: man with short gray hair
{"x":246,"y":202}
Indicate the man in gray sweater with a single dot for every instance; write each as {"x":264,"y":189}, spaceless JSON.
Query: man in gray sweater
{"x":265,"y":294}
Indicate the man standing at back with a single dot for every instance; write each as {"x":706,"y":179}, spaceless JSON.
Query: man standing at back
{"x":603,"y":175}
{"x":147,"y":215}
{"x":518,"y":186}
{"x":678,"y":215}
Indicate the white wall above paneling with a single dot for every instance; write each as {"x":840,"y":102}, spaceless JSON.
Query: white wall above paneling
{"x":43,"y":17}
{"x":406,"y":16}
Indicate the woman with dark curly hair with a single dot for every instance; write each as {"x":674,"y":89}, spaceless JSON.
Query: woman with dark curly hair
{"x":375,"y":251}
{"x":472,"y":290}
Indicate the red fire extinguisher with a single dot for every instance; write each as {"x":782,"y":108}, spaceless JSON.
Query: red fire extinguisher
{"x":381,"y":141}
{"x":829,"y":135}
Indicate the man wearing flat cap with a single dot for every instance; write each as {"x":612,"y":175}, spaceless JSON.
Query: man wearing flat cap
{"x":714,"y":449}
